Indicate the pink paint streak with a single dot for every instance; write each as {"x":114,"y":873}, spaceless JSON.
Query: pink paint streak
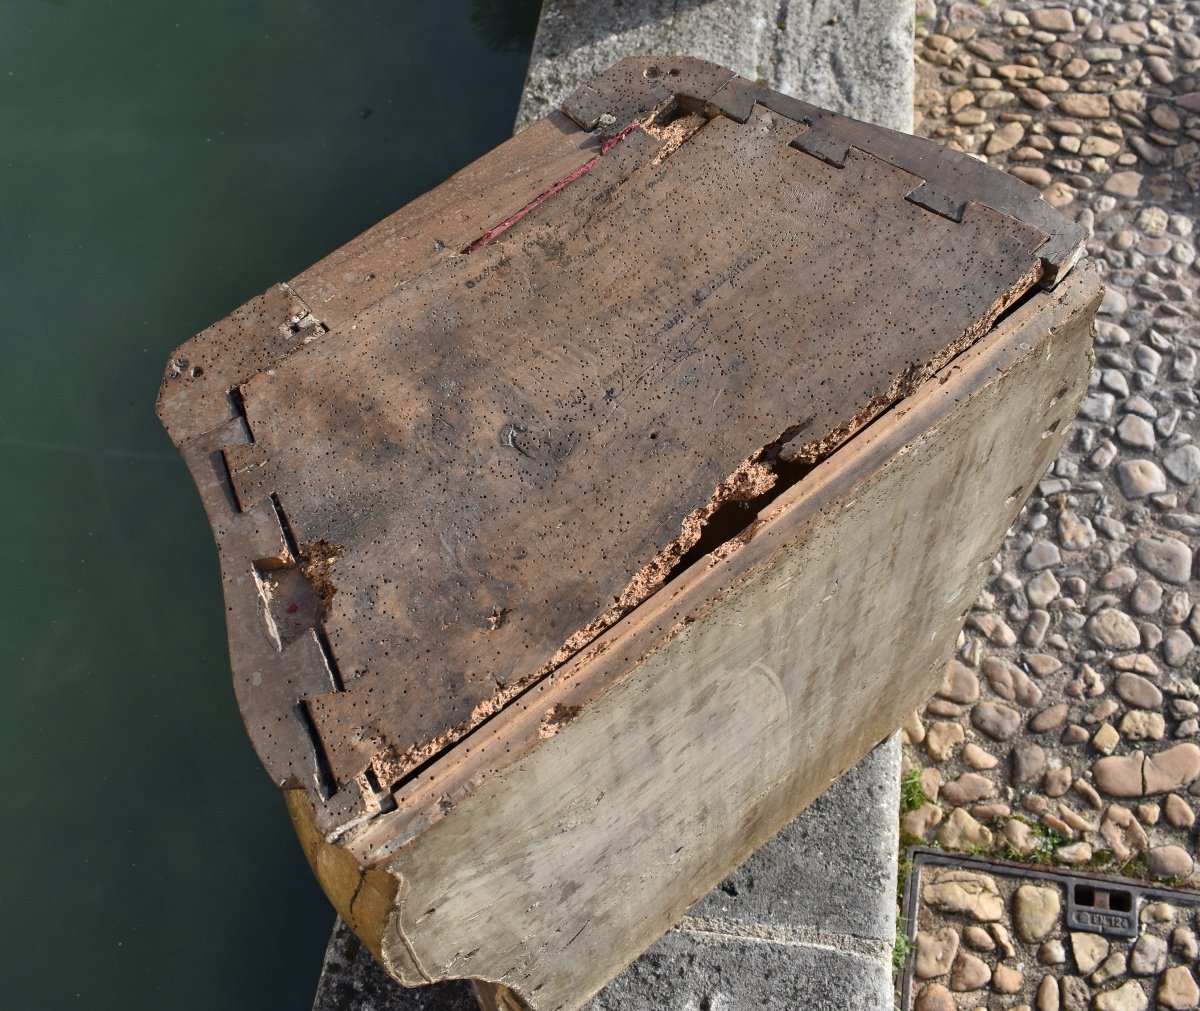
{"x":562,"y":184}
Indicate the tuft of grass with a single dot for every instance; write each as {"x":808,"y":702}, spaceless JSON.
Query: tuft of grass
{"x":1135,"y":867}
{"x":907,"y":839}
{"x":901,"y":948}
{"x":904,"y":866}
{"x":1045,"y":841}
{"x":1103,"y":861}
{"x":911,"y":794}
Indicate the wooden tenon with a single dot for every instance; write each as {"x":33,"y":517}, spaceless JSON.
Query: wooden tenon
{"x":583,"y":520}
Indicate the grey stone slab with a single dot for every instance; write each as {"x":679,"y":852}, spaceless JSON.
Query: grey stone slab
{"x":851,"y":56}
{"x":833,"y":868}
{"x":698,"y":971}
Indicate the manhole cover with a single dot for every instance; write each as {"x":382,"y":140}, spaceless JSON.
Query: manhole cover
{"x":986,"y":933}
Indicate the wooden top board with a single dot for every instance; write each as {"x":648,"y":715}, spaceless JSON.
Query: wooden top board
{"x":593,"y":351}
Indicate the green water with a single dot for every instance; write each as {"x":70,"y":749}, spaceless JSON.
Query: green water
{"x":160,"y":163}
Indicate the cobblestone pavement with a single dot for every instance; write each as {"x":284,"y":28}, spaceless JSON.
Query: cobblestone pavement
{"x":1068,"y":727}
{"x":1000,"y":936}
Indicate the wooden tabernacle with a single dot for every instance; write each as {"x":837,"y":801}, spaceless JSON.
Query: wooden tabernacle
{"x":552,"y":510}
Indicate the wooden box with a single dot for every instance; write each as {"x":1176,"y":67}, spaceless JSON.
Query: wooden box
{"x":583,"y":520}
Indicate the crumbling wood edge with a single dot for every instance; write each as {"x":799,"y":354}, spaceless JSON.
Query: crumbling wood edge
{"x":495,"y":997}
{"x":534,"y":851}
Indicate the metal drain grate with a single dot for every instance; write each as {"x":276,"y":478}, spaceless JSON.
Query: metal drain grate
{"x":979,"y":907}
{"x":1102,"y":906}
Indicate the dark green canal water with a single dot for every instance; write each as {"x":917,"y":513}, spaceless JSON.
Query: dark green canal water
{"x":160,"y":163}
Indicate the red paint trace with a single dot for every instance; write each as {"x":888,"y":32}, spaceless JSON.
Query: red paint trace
{"x":562,"y":184}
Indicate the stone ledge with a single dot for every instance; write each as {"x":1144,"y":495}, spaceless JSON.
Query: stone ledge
{"x":853,"y":58}
{"x":688,"y":970}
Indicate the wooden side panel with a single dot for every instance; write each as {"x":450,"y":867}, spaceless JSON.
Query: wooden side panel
{"x":560,"y":869}
{"x":447,"y":491}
